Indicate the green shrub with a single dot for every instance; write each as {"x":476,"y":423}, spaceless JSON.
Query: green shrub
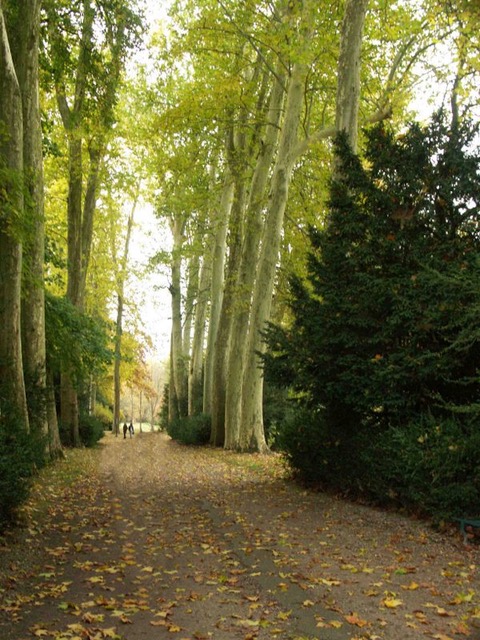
{"x":302,"y":438}
{"x":428,"y":465}
{"x":163,"y":413}
{"x":192,"y":430}
{"x":21,"y":455}
{"x":275,"y":407}
{"x":91,"y":430}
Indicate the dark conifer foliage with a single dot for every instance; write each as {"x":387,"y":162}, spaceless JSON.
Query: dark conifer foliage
{"x":385,"y":331}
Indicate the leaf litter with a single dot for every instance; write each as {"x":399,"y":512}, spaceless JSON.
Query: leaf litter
{"x":146,"y":538}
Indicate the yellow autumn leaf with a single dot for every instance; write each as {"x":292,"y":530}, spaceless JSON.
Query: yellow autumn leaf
{"x":336,"y":624}
{"x":463,"y":597}
{"x":173,"y":628}
{"x":321,"y":624}
{"x":392,"y":603}
{"x":411,"y":587}
{"x":284,"y":615}
{"x":93,"y":617}
{"x":76,"y":628}
{"x":244,"y":622}
{"x":330,"y":582}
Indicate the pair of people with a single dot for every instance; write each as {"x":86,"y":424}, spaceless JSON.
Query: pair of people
{"x":128,"y":428}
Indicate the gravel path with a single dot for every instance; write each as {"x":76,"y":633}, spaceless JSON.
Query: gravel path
{"x":163,"y":541}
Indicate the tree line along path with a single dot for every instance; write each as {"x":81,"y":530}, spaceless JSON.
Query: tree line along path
{"x":146,"y":538}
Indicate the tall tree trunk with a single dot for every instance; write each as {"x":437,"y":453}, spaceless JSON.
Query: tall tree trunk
{"x":248,"y":264}
{"x":26,"y":25}
{"x":14,"y":404}
{"x":251,"y":434}
{"x":220,"y":227}
{"x":222,"y":342}
{"x":195,"y":387}
{"x":56,"y":450}
{"x":116,"y":365}
{"x":178,"y":379}
{"x":81,"y":205}
{"x":349,"y":64}
{"x":190,"y":303}
{"x":69,"y":396}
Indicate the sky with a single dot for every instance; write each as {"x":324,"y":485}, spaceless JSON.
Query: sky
{"x":149,"y":292}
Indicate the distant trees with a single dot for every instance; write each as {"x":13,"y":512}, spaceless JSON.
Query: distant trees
{"x":381,"y":356}
{"x":85,"y":53}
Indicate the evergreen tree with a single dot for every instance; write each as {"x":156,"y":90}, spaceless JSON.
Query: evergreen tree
{"x":384,"y":331}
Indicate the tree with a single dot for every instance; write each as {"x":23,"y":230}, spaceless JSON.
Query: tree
{"x":382,"y":340}
{"x":12,"y":219}
{"x":24,"y":27}
{"x":87,"y":52}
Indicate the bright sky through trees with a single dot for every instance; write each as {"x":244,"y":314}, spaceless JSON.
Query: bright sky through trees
{"x":150,"y":292}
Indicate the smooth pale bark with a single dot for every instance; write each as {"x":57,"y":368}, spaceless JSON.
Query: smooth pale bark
{"x":349,"y":64}
{"x":95,"y":152}
{"x":56,"y":450}
{"x":195,"y":386}
{"x":173,"y":413}
{"x":222,"y":342}
{"x":251,"y":435}
{"x":241,"y":146}
{"x":220,"y":227}
{"x":248,"y":263}
{"x":24,"y":29}
{"x":178,"y":378}
{"x":121,"y":273}
{"x":11,"y":215}
{"x":190,"y":302}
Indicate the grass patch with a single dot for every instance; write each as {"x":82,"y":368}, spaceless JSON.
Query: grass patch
{"x":271,"y":465}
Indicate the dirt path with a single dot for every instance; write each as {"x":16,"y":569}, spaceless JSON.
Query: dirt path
{"x":163,"y":541}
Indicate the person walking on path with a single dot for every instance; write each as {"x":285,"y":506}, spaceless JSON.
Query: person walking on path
{"x":125,"y":429}
{"x":131,"y":429}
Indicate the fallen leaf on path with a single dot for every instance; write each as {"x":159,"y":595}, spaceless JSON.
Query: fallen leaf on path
{"x":411,"y":587}
{"x":392,"y":603}
{"x":356,"y":620}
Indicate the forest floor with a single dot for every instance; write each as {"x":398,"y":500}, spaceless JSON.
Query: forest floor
{"x":146,"y":539}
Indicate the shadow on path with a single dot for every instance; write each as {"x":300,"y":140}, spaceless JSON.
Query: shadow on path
{"x":164,"y":541}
